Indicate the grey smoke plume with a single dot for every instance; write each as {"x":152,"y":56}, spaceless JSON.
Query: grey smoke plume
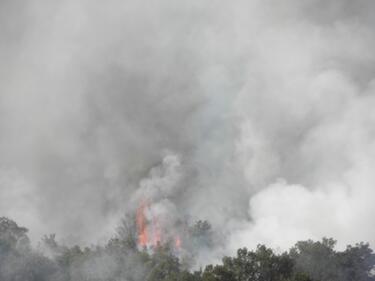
{"x":268,"y":105}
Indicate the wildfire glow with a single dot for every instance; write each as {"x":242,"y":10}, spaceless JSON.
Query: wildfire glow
{"x":156,"y":233}
{"x":149,"y":230}
{"x":142,"y":225}
{"x":178,"y":242}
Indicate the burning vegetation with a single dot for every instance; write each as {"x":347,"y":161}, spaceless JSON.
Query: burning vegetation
{"x":151,"y":233}
{"x":117,"y":260}
{"x":142,"y":229}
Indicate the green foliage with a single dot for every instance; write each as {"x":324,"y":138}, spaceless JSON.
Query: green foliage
{"x":356,"y":262}
{"x":126,"y":232}
{"x":17,"y":260}
{"x":322,"y":263}
{"x":317,"y":259}
{"x":13,"y":236}
{"x":201,"y":234}
{"x":120,"y":259}
{"x":164,"y":266}
{"x":261,"y":265}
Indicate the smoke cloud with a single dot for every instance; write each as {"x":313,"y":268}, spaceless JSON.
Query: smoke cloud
{"x":255,"y":115}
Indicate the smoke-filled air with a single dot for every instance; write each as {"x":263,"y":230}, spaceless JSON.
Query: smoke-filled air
{"x":187,"y":140}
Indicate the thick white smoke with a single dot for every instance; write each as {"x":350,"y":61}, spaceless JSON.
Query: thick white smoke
{"x":307,"y":119}
{"x":268,"y":105}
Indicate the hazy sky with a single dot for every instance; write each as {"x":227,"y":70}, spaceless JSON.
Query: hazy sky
{"x":257,"y":115}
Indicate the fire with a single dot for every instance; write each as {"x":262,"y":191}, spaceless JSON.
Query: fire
{"x":142,"y":225}
{"x":149,"y":230}
{"x":156,"y":233}
{"x":178,"y":242}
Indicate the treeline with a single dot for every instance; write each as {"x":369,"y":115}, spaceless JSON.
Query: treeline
{"x":120,"y":260}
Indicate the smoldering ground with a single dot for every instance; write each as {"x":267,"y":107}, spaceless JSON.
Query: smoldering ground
{"x":268,"y":105}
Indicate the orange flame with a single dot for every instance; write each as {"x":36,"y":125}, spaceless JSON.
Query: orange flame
{"x":178,"y":242}
{"x":150,"y":232}
{"x":142,"y":225}
{"x":156,"y":233}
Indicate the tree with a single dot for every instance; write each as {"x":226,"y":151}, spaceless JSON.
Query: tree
{"x":317,"y":259}
{"x":261,"y":265}
{"x":201,"y":234}
{"x":164,"y":265}
{"x":17,"y":260}
{"x":13,"y":236}
{"x":356,"y":263}
{"x":127,"y":232}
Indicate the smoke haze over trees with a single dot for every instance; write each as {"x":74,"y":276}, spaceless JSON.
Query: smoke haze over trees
{"x":119,"y":260}
{"x":256,"y":116}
